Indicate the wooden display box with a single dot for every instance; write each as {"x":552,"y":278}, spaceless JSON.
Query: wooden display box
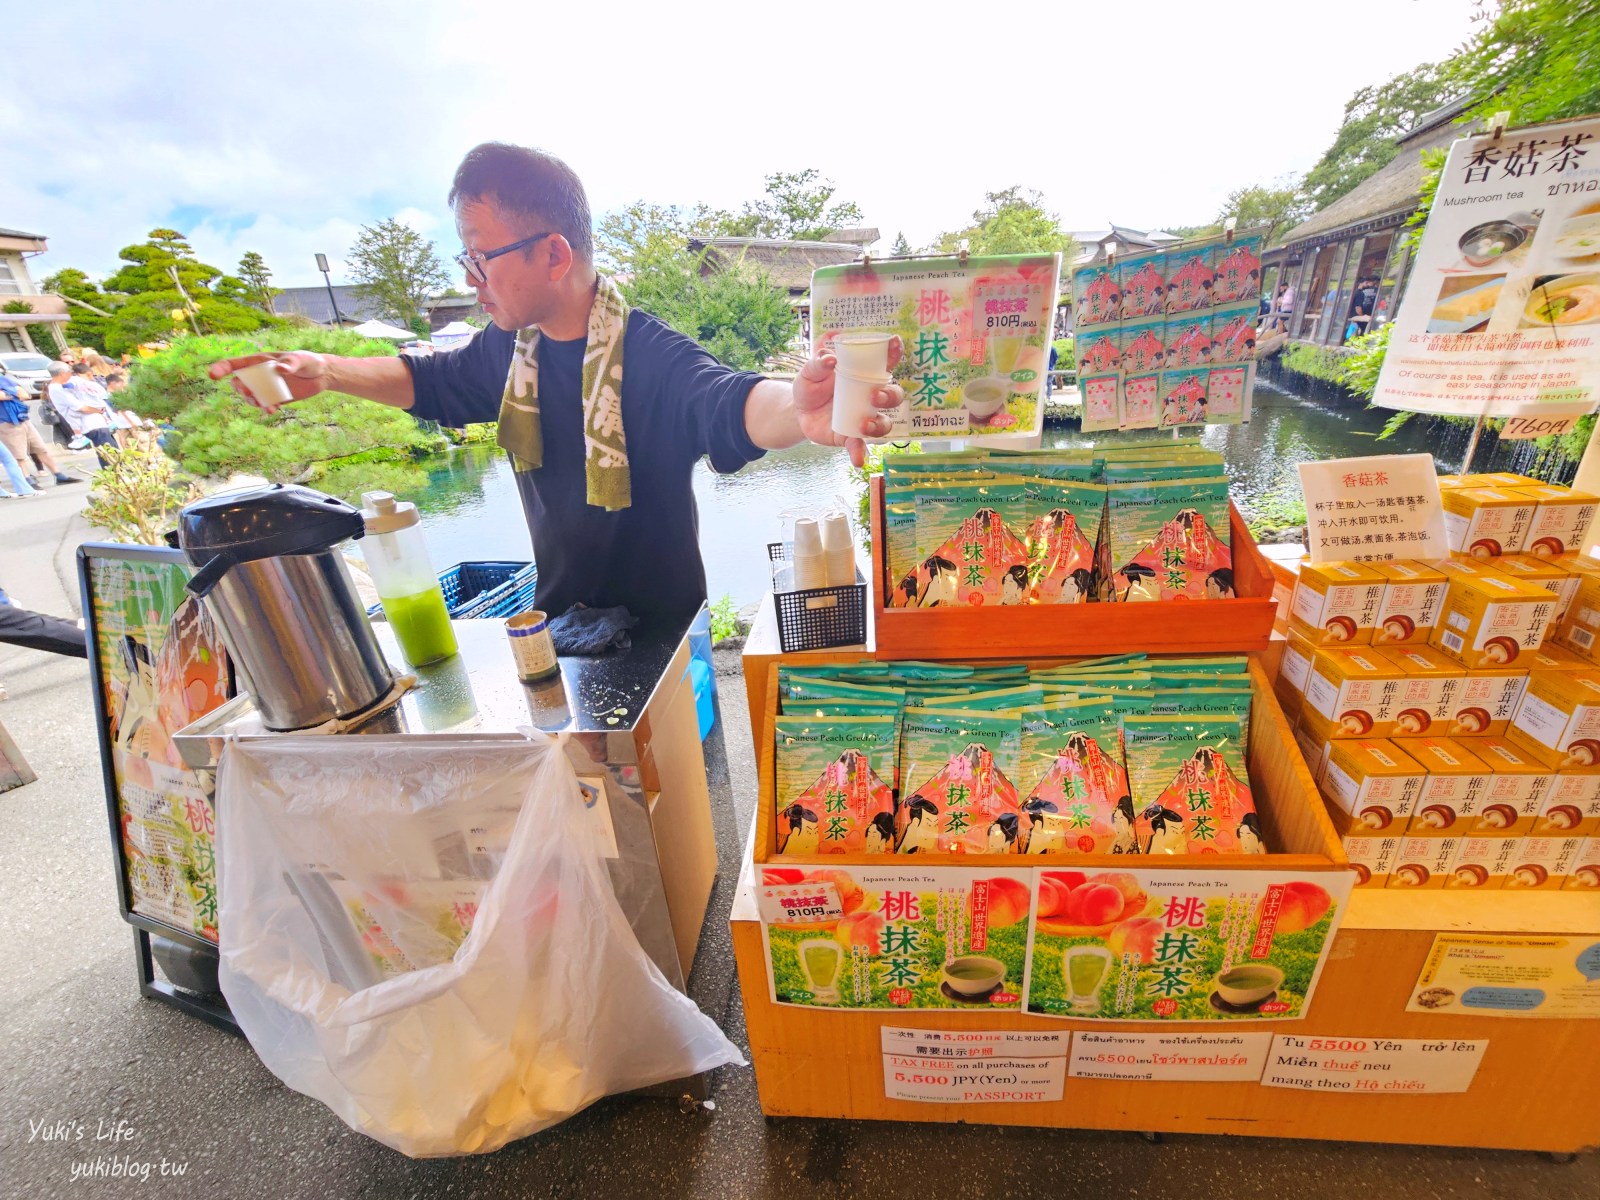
{"x":1293,"y":818}
{"x":1157,"y":626}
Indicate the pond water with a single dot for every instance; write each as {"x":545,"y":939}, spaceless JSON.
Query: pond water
{"x":471,"y":510}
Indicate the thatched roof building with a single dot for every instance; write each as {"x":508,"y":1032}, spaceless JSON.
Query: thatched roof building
{"x":1358,"y":237}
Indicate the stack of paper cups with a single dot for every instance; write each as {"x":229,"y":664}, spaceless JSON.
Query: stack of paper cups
{"x":863,"y":369}
{"x":810,"y":561}
{"x":839,"y":550}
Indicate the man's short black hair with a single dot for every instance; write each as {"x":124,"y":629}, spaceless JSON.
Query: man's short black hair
{"x":531,"y":186}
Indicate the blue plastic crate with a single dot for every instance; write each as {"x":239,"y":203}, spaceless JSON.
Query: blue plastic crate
{"x":485,"y":589}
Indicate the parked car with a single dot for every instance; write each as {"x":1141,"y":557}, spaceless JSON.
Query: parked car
{"x":28,"y":370}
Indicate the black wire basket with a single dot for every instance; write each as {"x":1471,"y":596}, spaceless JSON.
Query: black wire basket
{"x":816,"y":618}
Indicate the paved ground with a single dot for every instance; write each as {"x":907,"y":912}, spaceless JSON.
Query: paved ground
{"x":77,"y":1045}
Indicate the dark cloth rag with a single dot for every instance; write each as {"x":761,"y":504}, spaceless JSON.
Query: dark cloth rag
{"x":582,"y":630}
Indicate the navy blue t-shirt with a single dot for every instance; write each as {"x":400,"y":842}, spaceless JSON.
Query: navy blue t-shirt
{"x":678,"y":403}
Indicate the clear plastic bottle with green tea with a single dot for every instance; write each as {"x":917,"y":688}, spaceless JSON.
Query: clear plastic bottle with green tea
{"x":397,"y":559}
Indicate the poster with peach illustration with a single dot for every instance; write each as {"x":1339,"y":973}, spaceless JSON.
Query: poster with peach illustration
{"x":974,"y":335}
{"x":942,"y":938}
{"x":1181,"y":946}
{"x":161,"y":665}
{"x":1501,"y":313}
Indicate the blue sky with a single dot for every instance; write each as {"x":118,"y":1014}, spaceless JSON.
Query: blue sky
{"x":285,"y":127}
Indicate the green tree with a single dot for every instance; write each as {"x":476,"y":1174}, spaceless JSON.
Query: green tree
{"x":1539,"y":59}
{"x":635,"y":237}
{"x":257,"y":280}
{"x":87,"y":327}
{"x":1278,"y":206}
{"x":901,"y":247}
{"x":331,"y":437}
{"x":161,"y":276}
{"x":1373,"y":118}
{"x":1011,"y":222}
{"x":397,"y":268}
{"x":736,"y":314}
{"x":798,"y":206}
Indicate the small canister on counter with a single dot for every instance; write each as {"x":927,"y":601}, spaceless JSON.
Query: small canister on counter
{"x":532,"y":646}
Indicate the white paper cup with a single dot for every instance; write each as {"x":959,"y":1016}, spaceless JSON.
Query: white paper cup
{"x":810,"y":571}
{"x":266,"y":385}
{"x":836,"y":534}
{"x":852,"y":402}
{"x":842,"y":568}
{"x":863,"y":353}
{"x":807,"y":539}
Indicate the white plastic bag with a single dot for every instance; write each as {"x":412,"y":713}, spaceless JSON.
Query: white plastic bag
{"x":349,"y":868}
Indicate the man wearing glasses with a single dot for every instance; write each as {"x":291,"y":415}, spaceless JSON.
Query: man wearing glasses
{"x":604,"y":410}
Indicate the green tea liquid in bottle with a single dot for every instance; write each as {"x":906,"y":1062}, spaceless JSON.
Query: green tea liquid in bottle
{"x":412,"y":598}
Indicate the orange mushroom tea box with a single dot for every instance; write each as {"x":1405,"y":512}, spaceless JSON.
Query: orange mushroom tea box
{"x":1336,"y":604}
{"x":1480,"y":864}
{"x":1550,"y":657}
{"x":1584,"y":873}
{"x":1423,"y":862}
{"x":1486,"y":522}
{"x":1293,"y":667}
{"x":1490,"y":619}
{"x":1579,"y":631}
{"x":1571,"y":804}
{"x":1352,"y":688}
{"x":1517,"y":789}
{"x":1424,"y":701}
{"x":1313,"y":734}
{"x":1374,"y":783}
{"x":1453,"y":792}
{"x":1560,"y":715}
{"x":1547,"y":573}
{"x":1541,"y":864}
{"x":1413,"y":595}
{"x":1483,"y":700}
{"x":1372,"y":858}
{"x":1560,"y":520}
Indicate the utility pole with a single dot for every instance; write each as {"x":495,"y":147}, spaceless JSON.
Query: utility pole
{"x":322,"y":265}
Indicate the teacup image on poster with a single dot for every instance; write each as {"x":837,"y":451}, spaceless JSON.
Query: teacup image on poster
{"x":973,"y":974}
{"x":1084,"y":968}
{"x":820,"y":959}
{"x":1248,"y":983}
{"x":984,"y":396}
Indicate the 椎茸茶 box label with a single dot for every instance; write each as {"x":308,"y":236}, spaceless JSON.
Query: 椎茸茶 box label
{"x":1490,"y":619}
{"x":1541,"y":864}
{"x":1516,"y":792}
{"x":1559,"y":522}
{"x":1423,"y":862}
{"x":1336,"y":604}
{"x":1452,"y":795}
{"x":1486,"y":522}
{"x":1372,"y":858}
{"x":1355,"y":690}
{"x":1560,"y":713}
{"x":1373,"y":782}
{"x":1420,"y":702}
{"x":946,"y":938}
{"x":1584,"y":873}
{"x":1413,"y":594}
{"x":1165,"y":945}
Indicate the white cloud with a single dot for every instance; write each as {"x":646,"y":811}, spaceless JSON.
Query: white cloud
{"x":283,"y":130}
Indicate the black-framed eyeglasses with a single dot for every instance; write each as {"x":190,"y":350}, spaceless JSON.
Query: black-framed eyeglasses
{"x":472,"y":261}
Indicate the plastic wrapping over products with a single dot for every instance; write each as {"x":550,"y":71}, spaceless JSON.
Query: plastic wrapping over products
{"x":424,"y":938}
